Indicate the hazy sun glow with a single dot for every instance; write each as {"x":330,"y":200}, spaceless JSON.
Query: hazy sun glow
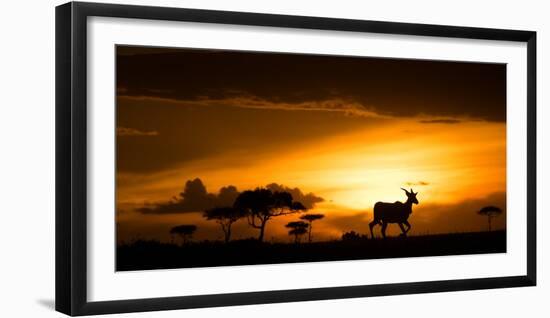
{"x":444,"y":163}
{"x":358,"y":169}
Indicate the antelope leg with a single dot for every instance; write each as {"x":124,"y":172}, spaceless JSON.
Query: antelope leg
{"x":403,"y":229}
{"x":408,"y":225}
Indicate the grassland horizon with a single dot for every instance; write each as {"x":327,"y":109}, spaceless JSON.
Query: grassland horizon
{"x":150,"y":254}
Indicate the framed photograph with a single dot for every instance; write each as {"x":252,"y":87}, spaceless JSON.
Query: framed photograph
{"x":208,"y":158}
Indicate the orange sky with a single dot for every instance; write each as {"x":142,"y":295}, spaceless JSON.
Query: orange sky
{"x":445,"y":163}
{"x":340,"y":149}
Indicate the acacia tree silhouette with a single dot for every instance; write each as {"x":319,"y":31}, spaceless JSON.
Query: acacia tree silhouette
{"x":310,"y":218}
{"x":297,"y":228}
{"x":225,"y":217}
{"x":490,"y":212}
{"x":185,"y":231}
{"x":260,"y":205}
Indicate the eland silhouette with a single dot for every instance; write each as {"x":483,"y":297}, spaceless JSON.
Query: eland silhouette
{"x":396,"y":212}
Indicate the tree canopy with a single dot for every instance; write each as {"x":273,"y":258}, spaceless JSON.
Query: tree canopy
{"x":261,"y":204}
{"x":184,"y":230}
{"x":310,"y":218}
{"x":225,"y":217}
{"x":297,"y":228}
{"x":490,"y":212}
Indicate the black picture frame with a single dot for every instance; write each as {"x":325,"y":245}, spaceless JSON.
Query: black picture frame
{"x":71,"y":157}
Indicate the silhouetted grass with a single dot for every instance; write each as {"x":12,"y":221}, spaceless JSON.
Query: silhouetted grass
{"x":142,"y":255}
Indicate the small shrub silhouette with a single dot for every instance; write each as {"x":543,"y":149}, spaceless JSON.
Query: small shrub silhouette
{"x":185,"y":231}
{"x":490,"y":212}
{"x":297,"y":228}
{"x":225,"y":217}
{"x":353,"y":236}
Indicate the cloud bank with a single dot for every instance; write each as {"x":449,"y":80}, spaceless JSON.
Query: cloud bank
{"x":196,"y":198}
{"x":395,"y":87}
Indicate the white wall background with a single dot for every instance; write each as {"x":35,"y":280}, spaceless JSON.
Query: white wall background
{"x":27,"y":158}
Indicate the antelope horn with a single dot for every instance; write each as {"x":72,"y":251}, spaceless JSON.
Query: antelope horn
{"x":412,"y":190}
{"x":405,"y":190}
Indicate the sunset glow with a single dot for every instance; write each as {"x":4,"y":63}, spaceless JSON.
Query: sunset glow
{"x":345,"y":151}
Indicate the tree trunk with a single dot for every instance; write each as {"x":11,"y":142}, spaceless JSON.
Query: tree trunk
{"x":309,"y":233}
{"x":489,"y":221}
{"x":228,"y":234}
{"x":262,"y":228}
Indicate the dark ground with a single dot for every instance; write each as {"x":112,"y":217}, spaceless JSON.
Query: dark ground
{"x":143,"y":255}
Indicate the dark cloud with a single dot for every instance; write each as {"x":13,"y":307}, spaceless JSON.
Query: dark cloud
{"x":396,"y":87}
{"x":227,"y":196}
{"x":440,"y":121}
{"x":308,"y":200}
{"x":190,"y":132}
{"x":193,"y":198}
{"x":196,"y":198}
